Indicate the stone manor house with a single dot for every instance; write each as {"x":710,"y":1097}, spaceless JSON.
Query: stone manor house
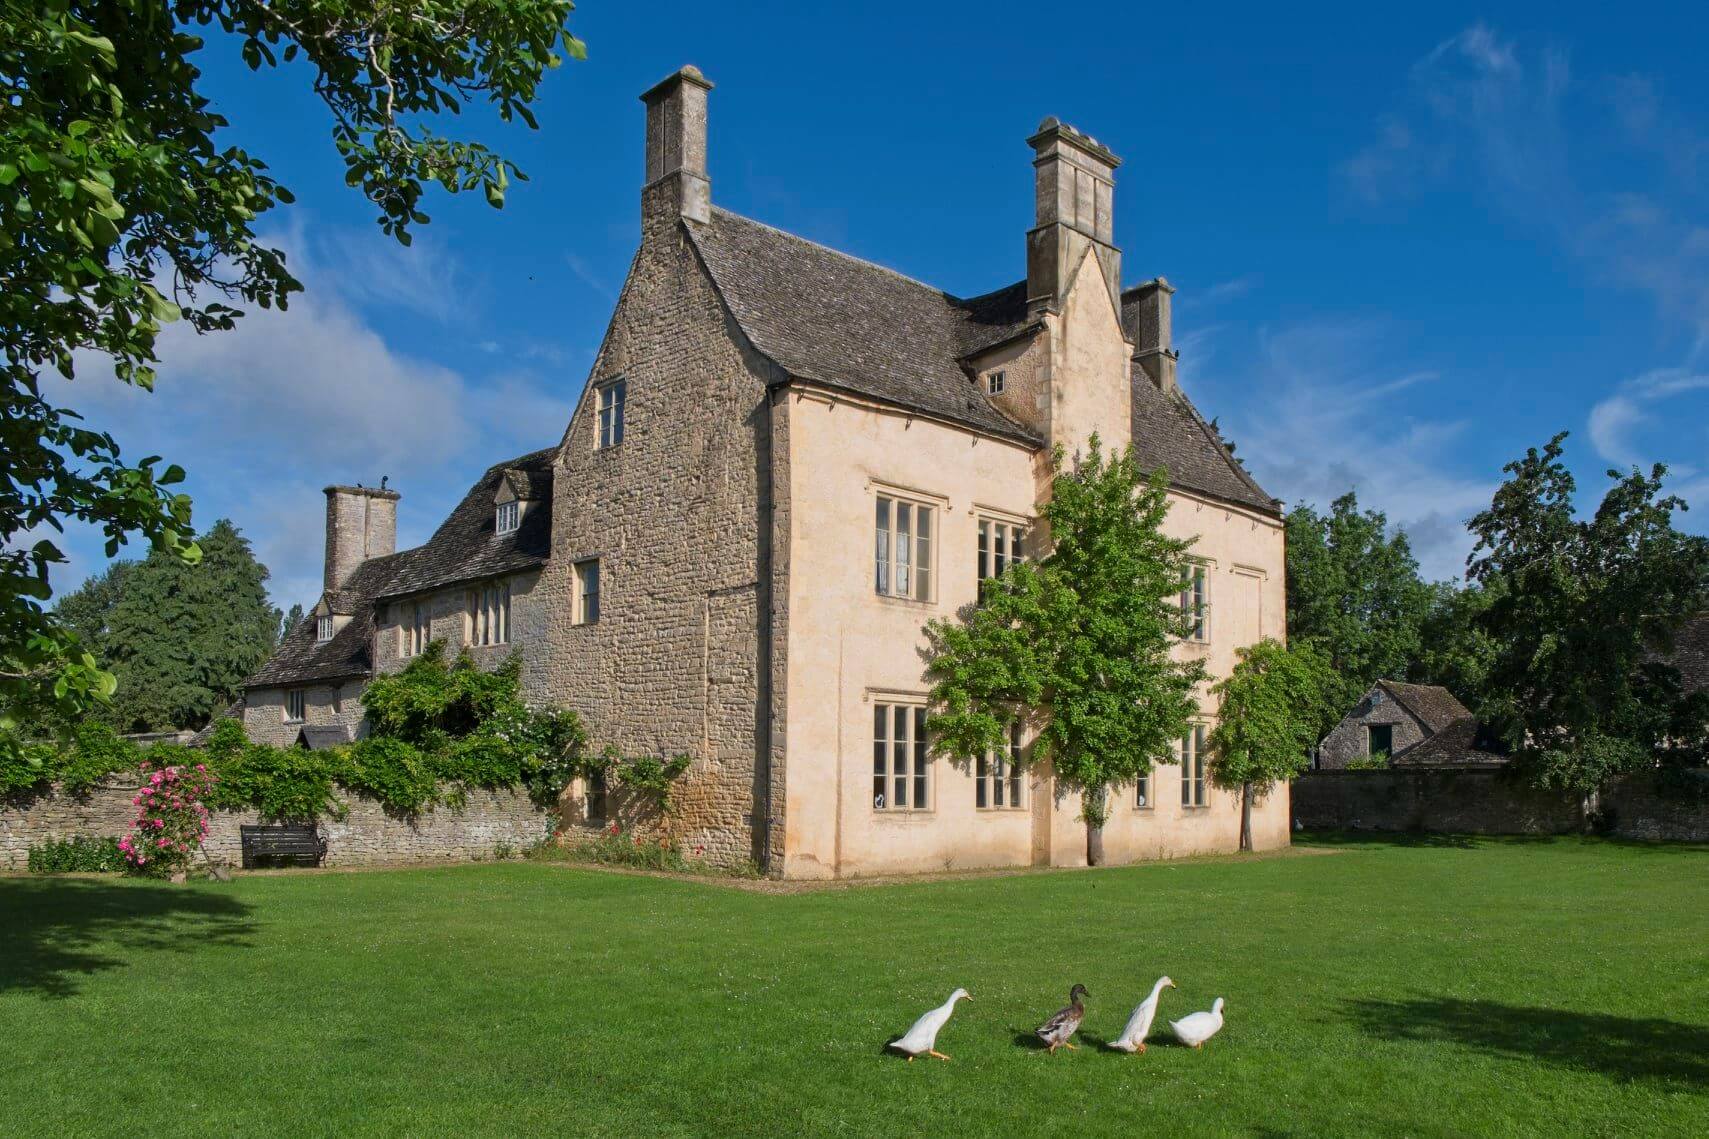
{"x":785,"y":461}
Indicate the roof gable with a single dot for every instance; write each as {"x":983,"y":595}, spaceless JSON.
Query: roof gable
{"x":1435,"y":706}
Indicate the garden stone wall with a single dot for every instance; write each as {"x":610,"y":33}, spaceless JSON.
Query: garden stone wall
{"x":1489,"y":802}
{"x":368,"y":835}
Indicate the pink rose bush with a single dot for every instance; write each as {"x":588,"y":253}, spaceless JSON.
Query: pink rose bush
{"x":171,"y":821}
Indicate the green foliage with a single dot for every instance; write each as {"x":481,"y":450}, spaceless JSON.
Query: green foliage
{"x":396,"y":773}
{"x":1355,"y":593}
{"x":90,"y":755}
{"x":179,"y":639}
{"x":116,"y":178}
{"x":78,"y":855}
{"x":1270,"y":709}
{"x":1377,"y":762}
{"x":430,"y":701}
{"x":651,"y":777}
{"x":280,"y":783}
{"x":1079,"y":644}
{"x":1455,"y":650}
{"x":1580,"y":610}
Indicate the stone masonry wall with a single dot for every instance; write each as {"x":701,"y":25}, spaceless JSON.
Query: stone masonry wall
{"x":333,"y":703}
{"x":1347,"y":741}
{"x":677,"y":515}
{"x":369,"y":835}
{"x":1487,"y":802}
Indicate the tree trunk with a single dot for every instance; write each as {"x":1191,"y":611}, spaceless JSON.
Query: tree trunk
{"x":1246,"y":816}
{"x":1095,"y":804}
{"x":1590,"y":802}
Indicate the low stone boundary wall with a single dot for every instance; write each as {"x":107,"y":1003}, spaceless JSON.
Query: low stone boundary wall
{"x":1484,"y":801}
{"x":368,"y":835}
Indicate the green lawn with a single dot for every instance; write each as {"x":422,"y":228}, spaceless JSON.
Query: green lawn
{"x":1441,"y":988}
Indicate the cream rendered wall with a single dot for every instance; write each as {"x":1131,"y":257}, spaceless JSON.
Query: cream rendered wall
{"x":1089,"y":366}
{"x":847,"y":645}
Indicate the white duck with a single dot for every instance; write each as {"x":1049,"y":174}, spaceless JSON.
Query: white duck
{"x":1198,"y":1027}
{"x":1132,"y":1038}
{"x":923,"y":1037}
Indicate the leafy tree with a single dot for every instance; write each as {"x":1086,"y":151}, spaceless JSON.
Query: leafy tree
{"x":181,"y":638}
{"x":122,"y":210}
{"x":1454,"y":648}
{"x":291,"y":621}
{"x":1355,"y":593}
{"x":1077,"y":645}
{"x":87,"y":611}
{"x":1581,"y":612}
{"x":1268,"y":718}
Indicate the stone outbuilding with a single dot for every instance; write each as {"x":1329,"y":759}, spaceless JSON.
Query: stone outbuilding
{"x":1412,"y":724}
{"x":784,"y":463}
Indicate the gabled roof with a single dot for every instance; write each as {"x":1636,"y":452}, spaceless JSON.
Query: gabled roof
{"x":836,"y":320}
{"x":1435,"y":706}
{"x":320,"y":737}
{"x":467,"y":546}
{"x":833,"y":319}
{"x":300,"y":659}
{"x":1461,"y":744}
{"x":1169,"y":432}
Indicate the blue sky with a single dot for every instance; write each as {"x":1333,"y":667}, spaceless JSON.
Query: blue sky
{"x":1408,"y":244}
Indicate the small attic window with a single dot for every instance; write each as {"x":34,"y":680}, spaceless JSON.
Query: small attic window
{"x":509,"y":517}
{"x":994,"y":382}
{"x":323,"y":628}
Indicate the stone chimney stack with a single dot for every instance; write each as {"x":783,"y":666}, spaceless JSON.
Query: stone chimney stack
{"x":1147,"y":322}
{"x":1074,"y":185}
{"x":677,"y":184}
{"x":361,"y":523}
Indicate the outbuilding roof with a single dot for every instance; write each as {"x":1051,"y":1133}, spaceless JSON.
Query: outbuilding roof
{"x":1435,"y":706}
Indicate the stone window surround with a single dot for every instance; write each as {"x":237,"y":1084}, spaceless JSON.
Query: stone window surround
{"x":487,"y":614}
{"x":295,"y":701}
{"x":611,"y":399}
{"x":1200,"y":571}
{"x":579,"y":614}
{"x":507,"y":517}
{"x":415,"y":626}
{"x":324,"y":628}
{"x":1006,"y":778}
{"x":1198,"y":730}
{"x":995,"y":381}
{"x":919,"y":759}
{"x":989,"y":519}
{"x":911,"y":496}
{"x":1144,"y":796}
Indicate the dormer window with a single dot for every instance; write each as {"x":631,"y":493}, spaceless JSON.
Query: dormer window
{"x":994,"y":382}
{"x":509,"y":517}
{"x":323,"y":628}
{"x":611,"y":399}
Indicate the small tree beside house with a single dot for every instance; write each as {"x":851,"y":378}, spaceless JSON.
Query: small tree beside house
{"x":1077,"y":646}
{"x":1271,"y":705}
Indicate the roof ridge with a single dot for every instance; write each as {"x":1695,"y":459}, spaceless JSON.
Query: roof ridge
{"x":944,"y":293}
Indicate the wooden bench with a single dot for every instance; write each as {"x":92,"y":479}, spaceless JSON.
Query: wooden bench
{"x":281,"y":843}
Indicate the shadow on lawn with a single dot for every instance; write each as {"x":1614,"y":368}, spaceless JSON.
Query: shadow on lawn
{"x":53,"y":932}
{"x":1626,"y":1048}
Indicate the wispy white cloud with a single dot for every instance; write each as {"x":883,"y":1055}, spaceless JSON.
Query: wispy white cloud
{"x":1325,"y":412}
{"x":265,"y":415}
{"x":1661,"y":415}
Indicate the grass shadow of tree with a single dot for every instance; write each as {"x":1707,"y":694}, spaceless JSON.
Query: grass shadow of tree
{"x":56,"y":932}
{"x":1627,"y":1048}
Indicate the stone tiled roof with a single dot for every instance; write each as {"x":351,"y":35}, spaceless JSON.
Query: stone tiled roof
{"x":845,"y":323}
{"x":301,"y":659}
{"x":466,"y":547}
{"x":1169,"y":432}
{"x":320,"y":737}
{"x":1460,"y":744}
{"x":1434,"y":705}
{"x":234,"y":710}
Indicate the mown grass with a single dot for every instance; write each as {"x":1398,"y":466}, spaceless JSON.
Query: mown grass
{"x":1434,"y":988}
